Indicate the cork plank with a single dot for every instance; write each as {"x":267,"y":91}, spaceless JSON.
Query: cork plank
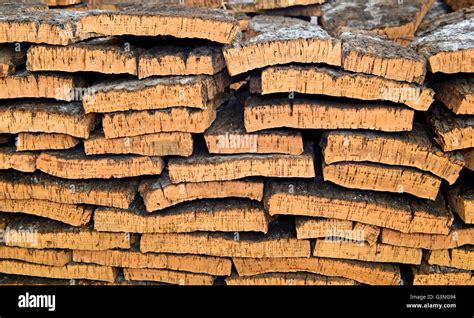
{"x":457,"y":237}
{"x":336,"y":230}
{"x":57,"y":27}
{"x":177,"y":21}
{"x":461,"y":201}
{"x":172,"y":60}
{"x":104,"y":55}
{"x":45,"y":234}
{"x":449,"y":48}
{"x":468,"y":155}
{"x":45,"y":257}
{"x":70,"y":271}
{"x":378,"y":177}
{"x":199,"y":91}
{"x":210,"y":265}
{"x":228,"y":215}
{"x":317,"y":199}
{"x":157,"y":144}
{"x":288,"y":279}
{"x":366,"y":273}
{"x":411,"y":149}
{"x":381,"y":253}
{"x":334,"y":82}
{"x":159,"y":193}
{"x":175,"y":119}
{"x":451,"y":132}
{"x":24,"y":84}
{"x":21,"y":161}
{"x":433,"y":275}
{"x":75,"y":164}
{"x":203,"y":167}
{"x":365,"y":52}
{"x":279,"y":40}
{"x":258,"y":5}
{"x":457,"y":94}
{"x":46,"y":117}
{"x":392,"y":19}
{"x":278,"y":242}
{"x":72,"y":214}
{"x":461,"y":258}
{"x":227,"y":135}
{"x":167,"y":276}
{"x":265,"y":113}
{"x":44,"y":141}
{"x":40,"y":186}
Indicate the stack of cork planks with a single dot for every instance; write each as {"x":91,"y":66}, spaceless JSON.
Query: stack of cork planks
{"x":243,"y":143}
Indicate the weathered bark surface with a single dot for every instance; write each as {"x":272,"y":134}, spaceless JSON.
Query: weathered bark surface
{"x":364,"y":252}
{"x":204,"y":167}
{"x":458,"y":236}
{"x":390,"y":18}
{"x":365,"y":52}
{"x":159,"y":193}
{"x":47,"y":117}
{"x":71,"y":271}
{"x":227,"y":135}
{"x":175,"y":119}
{"x":335,"y":229}
{"x":333,"y":82}
{"x":131,"y":259}
{"x":199,"y":91}
{"x":227,"y":215}
{"x":457,"y":94}
{"x":58,"y":27}
{"x":45,"y":257}
{"x":105,"y":55}
{"x":412,"y":149}
{"x":449,"y":48}
{"x":278,"y":242}
{"x":10,"y":59}
{"x":75,"y":164}
{"x":440,"y":275}
{"x":176,"y":21}
{"x":21,"y":161}
{"x":461,"y":201}
{"x":20,"y":186}
{"x":75,"y":215}
{"x":264,"y":113}
{"x":366,"y":273}
{"x":316,"y":199}
{"x":41,"y":234}
{"x":289,"y":279}
{"x":157,"y":144}
{"x":279,"y":40}
{"x":441,"y":17}
{"x":462,"y":258}
{"x":38,"y":85}
{"x":167,"y":276}
{"x":378,"y":177}
{"x":459,"y":4}
{"x":170,"y":60}
{"x":452,"y":132}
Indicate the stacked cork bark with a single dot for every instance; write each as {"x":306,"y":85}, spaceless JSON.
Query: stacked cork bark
{"x":185,"y":145}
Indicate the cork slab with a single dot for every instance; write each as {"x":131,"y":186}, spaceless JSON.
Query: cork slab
{"x":461,"y":258}
{"x":264,"y":113}
{"x":288,"y":279}
{"x":457,"y":94}
{"x":280,"y":40}
{"x":44,"y":141}
{"x":21,"y":161}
